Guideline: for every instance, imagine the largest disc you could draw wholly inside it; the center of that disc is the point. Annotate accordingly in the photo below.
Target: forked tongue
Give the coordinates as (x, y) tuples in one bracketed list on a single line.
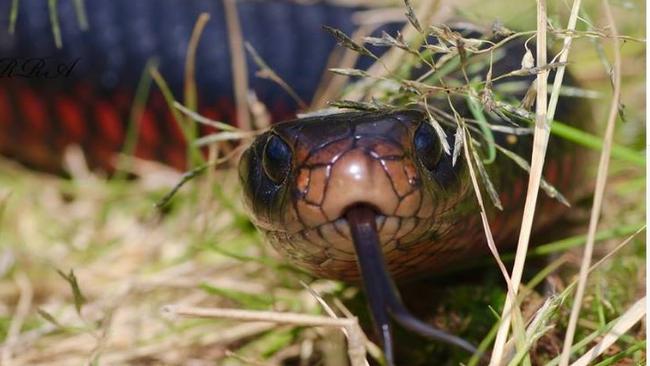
[(383, 298)]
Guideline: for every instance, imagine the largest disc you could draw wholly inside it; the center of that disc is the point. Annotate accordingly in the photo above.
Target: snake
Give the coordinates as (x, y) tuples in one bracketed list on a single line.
[(370, 197)]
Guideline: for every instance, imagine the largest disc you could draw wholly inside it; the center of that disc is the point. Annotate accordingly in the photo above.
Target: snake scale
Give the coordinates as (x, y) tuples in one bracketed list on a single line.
[(357, 196)]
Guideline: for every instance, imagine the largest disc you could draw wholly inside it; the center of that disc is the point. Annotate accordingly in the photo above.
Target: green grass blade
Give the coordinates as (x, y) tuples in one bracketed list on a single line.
[(137, 109), (13, 16), (54, 19), (594, 142)]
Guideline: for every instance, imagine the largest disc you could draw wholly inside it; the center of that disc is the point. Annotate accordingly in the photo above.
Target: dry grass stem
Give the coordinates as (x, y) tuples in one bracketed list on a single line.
[(332, 84), (189, 92), (632, 316), (564, 57), (540, 141), (355, 336), (238, 62), (266, 72), (616, 249), (486, 225), (601, 180), (394, 57), (18, 319), (207, 121)]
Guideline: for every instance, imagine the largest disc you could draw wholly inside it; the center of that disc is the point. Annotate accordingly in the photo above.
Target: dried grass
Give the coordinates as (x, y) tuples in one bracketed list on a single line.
[(601, 180)]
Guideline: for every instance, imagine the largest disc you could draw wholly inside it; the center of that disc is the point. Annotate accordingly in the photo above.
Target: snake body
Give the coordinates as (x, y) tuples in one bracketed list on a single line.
[(353, 196), (90, 106)]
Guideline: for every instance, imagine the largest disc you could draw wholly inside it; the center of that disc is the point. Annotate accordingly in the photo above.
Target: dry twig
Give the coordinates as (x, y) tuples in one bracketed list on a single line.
[(540, 141), (601, 180), (356, 338)]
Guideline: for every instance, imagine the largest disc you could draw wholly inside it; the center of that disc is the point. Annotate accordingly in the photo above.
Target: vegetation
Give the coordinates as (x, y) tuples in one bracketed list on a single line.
[(89, 266)]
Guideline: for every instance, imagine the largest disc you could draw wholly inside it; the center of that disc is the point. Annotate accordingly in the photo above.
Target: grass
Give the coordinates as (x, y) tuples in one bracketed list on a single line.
[(88, 265)]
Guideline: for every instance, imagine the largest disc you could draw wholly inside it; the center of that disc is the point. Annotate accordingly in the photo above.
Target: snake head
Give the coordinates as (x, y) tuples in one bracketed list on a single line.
[(301, 177)]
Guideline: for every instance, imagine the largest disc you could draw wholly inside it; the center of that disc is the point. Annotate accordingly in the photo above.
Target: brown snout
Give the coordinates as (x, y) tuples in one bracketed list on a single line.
[(378, 175)]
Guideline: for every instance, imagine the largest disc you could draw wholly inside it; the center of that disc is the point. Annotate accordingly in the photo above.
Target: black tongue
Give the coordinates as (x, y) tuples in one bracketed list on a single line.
[(376, 282), (383, 297)]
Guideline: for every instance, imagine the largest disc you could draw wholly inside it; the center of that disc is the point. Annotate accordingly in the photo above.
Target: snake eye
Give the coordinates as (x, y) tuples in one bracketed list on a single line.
[(277, 159), (427, 145)]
